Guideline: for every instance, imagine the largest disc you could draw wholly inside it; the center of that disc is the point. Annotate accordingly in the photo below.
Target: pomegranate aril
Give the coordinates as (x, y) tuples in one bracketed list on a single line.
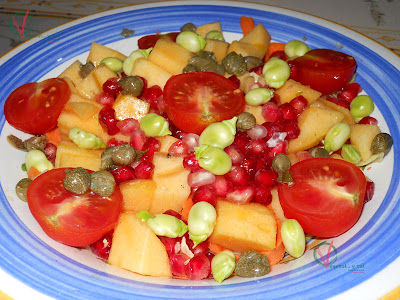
[(152, 95), (198, 268), (288, 111), (200, 249), (238, 176), (299, 104), (205, 193), (240, 195), (144, 170), (138, 138), (102, 247), (342, 102), (281, 148), (127, 126), (369, 192), (51, 150), (221, 185), (263, 194), (272, 128), (112, 86), (257, 70), (279, 54), (241, 140), (191, 139), (122, 174), (173, 213), (266, 177), (114, 142), (235, 154), (257, 132), (293, 69), (108, 120), (249, 163), (152, 144), (190, 163), (257, 147), (235, 80), (347, 95), (291, 128), (368, 120), (353, 86), (178, 267), (105, 99), (199, 178), (169, 244), (271, 112), (179, 148)]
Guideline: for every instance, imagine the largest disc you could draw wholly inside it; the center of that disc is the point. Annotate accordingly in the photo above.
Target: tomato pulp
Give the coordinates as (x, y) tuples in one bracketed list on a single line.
[(150, 40), (74, 220), (326, 197), (195, 100), (35, 107)]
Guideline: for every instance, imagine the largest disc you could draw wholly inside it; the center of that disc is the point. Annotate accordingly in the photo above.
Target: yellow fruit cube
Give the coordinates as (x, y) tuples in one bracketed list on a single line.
[(98, 52), (88, 87), (70, 156), (256, 111), (348, 117), (259, 37), (219, 48), (128, 106), (166, 141), (206, 28), (246, 49), (154, 74), (166, 164), (137, 194), (361, 137), (102, 73), (291, 89), (72, 72)]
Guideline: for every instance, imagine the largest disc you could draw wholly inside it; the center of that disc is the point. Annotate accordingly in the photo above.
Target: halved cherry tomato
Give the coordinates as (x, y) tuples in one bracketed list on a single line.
[(195, 100), (324, 70), (150, 40), (35, 107), (74, 220), (327, 195)]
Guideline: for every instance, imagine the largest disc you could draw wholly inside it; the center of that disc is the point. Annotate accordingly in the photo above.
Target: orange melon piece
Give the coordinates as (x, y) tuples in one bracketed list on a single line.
[(255, 110), (102, 73), (82, 107), (137, 194), (70, 156), (206, 28), (219, 48), (136, 248), (71, 84), (166, 141), (245, 49), (98, 52), (291, 89), (128, 106), (72, 72), (259, 37), (154, 74), (348, 117), (276, 205), (249, 226), (166, 164), (361, 137), (88, 87)]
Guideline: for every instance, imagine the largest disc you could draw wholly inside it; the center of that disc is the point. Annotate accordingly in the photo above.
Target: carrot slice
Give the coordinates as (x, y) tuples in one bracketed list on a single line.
[(186, 208), (273, 47), (32, 173), (247, 24), (53, 137)]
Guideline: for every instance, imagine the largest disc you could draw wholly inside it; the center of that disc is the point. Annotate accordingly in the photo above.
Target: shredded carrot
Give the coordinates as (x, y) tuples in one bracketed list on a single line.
[(186, 208), (32, 173), (247, 24), (273, 47), (53, 137)]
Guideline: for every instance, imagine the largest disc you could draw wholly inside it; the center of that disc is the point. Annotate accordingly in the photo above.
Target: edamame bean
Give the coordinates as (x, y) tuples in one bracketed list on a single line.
[(361, 106), (258, 96), (222, 265), (130, 60), (166, 225), (201, 221), (351, 154), (296, 48), (215, 35), (144, 215), (85, 140), (115, 64), (336, 137), (191, 41), (293, 238), (37, 158), (276, 71), (219, 134), (213, 159), (154, 125)]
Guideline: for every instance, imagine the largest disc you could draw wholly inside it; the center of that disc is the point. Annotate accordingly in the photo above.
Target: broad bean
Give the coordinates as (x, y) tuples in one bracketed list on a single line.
[(201, 221), (115, 64), (85, 140), (222, 265), (293, 238), (336, 137), (213, 159), (276, 71), (220, 134), (166, 225), (37, 158), (191, 41), (154, 125), (296, 48), (129, 61), (258, 96), (361, 106)]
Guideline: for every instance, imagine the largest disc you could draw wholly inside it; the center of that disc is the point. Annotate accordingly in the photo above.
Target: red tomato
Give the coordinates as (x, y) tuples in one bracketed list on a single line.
[(324, 70), (150, 40), (34, 107), (327, 196), (74, 220), (195, 100)]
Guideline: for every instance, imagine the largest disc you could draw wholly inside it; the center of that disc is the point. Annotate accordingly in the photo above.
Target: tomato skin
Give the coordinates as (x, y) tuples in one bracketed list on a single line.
[(195, 100), (81, 220), (313, 198), (150, 40), (324, 70), (35, 107)]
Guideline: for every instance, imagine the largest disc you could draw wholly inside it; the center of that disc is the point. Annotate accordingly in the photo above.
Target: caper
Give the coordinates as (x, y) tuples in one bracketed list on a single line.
[(234, 64), (382, 142), (102, 183), (203, 64), (252, 264), (123, 154), (86, 69), (207, 54), (188, 27), (16, 142), (252, 62), (190, 68), (107, 162), (35, 142), (318, 152), (245, 121), (77, 181), (281, 163), (285, 177), (131, 85), (22, 187)]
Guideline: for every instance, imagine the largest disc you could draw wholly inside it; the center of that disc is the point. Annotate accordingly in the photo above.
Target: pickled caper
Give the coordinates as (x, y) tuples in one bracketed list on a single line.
[(190, 68), (123, 154), (188, 27), (245, 121), (131, 85), (35, 142), (252, 264), (318, 152), (84, 70), (281, 163), (205, 64), (77, 181), (207, 54), (16, 142), (102, 183), (234, 63), (107, 162), (22, 187), (382, 143), (252, 62)]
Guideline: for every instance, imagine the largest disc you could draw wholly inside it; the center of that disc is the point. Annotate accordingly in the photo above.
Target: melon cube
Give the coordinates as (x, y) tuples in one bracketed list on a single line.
[(361, 137), (154, 74), (206, 28), (102, 73), (219, 48), (88, 87), (259, 37), (137, 194), (166, 142), (348, 117), (70, 156), (246, 49), (98, 52), (128, 106), (256, 111), (72, 72), (166, 164), (291, 89)]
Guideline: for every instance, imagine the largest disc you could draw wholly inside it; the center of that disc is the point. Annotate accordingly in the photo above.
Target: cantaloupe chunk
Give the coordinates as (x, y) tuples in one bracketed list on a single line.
[(88, 87), (98, 52), (276, 205), (291, 89), (166, 142), (137, 194), (249, 226), (154, 74), (128, 106), (136, 248), (245, 49), (219, 48), (314, 124), (102, 73), (70, 156), (71, 84), (206, 28), (348, 117), (166, 164), (256, 111), (259, 37), (72, 72), (170, 56), (361, 137), (82, 107)]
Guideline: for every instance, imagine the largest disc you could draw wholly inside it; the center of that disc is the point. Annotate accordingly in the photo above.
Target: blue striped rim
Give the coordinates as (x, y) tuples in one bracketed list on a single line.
[(57, 275)]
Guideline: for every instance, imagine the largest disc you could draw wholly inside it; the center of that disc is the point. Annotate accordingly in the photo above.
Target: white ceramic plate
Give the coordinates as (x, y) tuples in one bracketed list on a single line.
[(366, 256)]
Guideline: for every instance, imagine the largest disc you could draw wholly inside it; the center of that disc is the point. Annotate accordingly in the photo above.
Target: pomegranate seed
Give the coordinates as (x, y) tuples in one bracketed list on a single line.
[(291, 128), (169, 244), (235, 154), (272, 128), (353, 86), (112, 87), (105, 99), (368, 120), (138, 138), (279, 54), (242, 194), (176, 132), (122, 174), (144, 170), (114, 142), (347, 95), (257, 132), (235, 80), (299, 104), (288, 111), (271, 112), (257, 70), (241, 140), (198, 268), (221, 185), (191, 139), (206, 193), (200, 249), (51, 151), (263, 163), (263, 195), (249, 164), (369, 192), (199, 178), (293, 69), (173, 213), (179, 148), (108, 121), (281, 148), (237, 176), (152, 95), (177, 262), (257, 147), (152, 144), (342, 102), (160, 105), (266, 177), (190, 163), (144, 85), (127, 126), (102, 247)]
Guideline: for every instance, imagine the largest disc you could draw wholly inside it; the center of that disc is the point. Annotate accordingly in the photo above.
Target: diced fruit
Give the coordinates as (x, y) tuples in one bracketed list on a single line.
[(166, 165), (128, 106), (291, 89), (348, 118), (154, 74), (166, 142), (245, 49), (136, 248), (70, 156), (102, 73), (88, 87), (276, 205), (219, 48), (137, 194), (206, 28), (258, 37), (84, 110), (98, 52), (250, 226), (256, 111), (72, 72), (361, 136)]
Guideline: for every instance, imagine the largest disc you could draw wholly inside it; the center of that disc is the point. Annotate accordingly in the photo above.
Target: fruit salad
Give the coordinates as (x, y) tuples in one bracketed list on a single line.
[(198, 158)]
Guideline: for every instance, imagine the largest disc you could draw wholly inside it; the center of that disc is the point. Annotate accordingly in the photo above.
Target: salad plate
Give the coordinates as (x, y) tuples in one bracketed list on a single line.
[(361, 259)]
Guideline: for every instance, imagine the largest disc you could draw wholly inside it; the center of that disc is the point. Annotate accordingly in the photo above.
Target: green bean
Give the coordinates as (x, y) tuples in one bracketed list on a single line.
[(154, 125), (215, 35), (37, 158), (351, 154), (222, 265), (191, 41), (166, 225), (144, 215), (258, 96), (213, 159), (276, 71), (296, 48), (85, 140), (220, 134), (336, 137), (130, 60), (361, 106), (115, 64), (293, 238), (201, 221)]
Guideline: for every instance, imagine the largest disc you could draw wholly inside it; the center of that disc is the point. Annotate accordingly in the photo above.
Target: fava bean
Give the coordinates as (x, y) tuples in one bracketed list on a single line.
[(276, 71), (258, 96), (154, 125), (201, 221), (220, 134), (167, 225), (85, 140), (336, 137), (293, 238), (222, 265), (37, 158), (361, 106), (351, 154), (296, 48), (215, 35), (191, 41), (130, 60), (115, 64), (144, 215), (213, 159)]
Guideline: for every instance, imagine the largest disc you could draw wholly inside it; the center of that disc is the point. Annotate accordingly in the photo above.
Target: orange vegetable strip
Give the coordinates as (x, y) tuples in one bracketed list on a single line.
[(273, 47), (32, 173), (53, 137), (247, 24), (186, 208)]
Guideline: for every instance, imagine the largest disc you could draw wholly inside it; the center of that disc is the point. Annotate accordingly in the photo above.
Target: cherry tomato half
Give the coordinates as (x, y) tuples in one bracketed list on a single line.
[(35, 107), (327, 196), (74, 220), (195, 100), (150, 40), (324, 70)]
